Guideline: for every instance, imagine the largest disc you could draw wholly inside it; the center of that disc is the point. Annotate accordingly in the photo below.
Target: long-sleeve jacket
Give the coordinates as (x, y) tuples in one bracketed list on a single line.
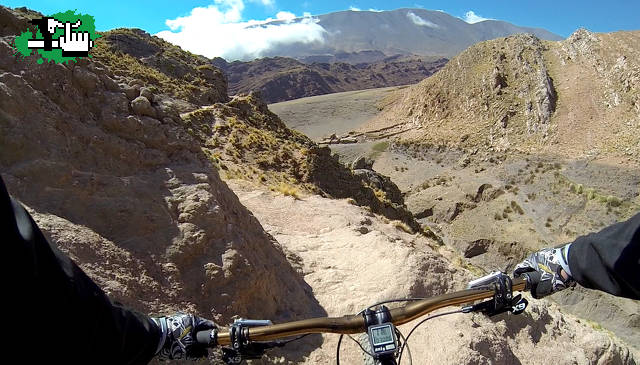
[(55, 310), (609, 260)]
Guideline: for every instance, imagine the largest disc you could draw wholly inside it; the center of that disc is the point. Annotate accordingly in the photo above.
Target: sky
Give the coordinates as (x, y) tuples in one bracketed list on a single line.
[(190, 23)]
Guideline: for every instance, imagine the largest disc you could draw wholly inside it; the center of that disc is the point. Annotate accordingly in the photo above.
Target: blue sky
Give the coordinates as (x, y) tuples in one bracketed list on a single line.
[(559, 16), (193, 24)]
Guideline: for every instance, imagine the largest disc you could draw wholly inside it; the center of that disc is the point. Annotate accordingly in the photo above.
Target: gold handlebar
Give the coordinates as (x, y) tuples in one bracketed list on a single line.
[(355, 323)]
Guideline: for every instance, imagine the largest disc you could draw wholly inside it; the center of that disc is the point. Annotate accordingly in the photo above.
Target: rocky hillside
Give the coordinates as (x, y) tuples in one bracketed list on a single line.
[(362, 36), (578, 97), (280, 79), (241, 137), (131, 196)]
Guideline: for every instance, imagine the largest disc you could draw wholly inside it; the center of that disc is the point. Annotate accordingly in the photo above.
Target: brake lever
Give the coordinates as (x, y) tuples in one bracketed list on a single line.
[(503, 299), (241, 346)]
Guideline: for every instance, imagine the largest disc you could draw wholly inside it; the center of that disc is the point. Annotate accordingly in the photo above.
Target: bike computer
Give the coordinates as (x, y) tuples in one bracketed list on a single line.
[(383, 339)]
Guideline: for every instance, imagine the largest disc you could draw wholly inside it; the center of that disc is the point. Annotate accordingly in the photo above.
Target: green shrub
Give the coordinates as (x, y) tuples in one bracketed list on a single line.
[(380, 147), (613, 201)]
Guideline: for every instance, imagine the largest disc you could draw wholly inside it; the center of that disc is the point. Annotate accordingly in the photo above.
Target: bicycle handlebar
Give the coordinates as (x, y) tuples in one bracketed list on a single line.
[(354, 323)]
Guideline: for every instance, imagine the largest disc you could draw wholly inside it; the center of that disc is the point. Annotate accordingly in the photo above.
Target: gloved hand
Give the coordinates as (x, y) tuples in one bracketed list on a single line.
[(179, 336), (543, 270)]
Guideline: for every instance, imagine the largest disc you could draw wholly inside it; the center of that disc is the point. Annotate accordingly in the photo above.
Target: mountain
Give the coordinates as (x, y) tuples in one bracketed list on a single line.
[(365, 35), (363, 50), (280, 78), (577, 97)]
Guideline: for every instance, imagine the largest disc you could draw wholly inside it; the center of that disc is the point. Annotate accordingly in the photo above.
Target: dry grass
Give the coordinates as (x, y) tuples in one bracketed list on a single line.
[(399, 225), (287, 190)]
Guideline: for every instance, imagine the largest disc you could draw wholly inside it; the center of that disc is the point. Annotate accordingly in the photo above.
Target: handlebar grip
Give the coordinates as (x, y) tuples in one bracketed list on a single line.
[(207, 338), (538, 288), (532, 277)]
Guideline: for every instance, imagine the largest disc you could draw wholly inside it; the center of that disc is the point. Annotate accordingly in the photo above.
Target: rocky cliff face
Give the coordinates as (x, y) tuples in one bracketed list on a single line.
[(134, 54), (280, 79), (133, 198)]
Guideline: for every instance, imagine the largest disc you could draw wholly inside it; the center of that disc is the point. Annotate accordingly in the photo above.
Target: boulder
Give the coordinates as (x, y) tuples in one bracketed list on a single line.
[(362, 162), (147, 92), (380, 182), (142, 106), (132, 92), (87, 81), (477, 247)]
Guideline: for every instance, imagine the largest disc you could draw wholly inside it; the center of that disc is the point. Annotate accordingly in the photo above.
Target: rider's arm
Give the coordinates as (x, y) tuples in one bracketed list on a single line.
[(609, 260), (58, 308)]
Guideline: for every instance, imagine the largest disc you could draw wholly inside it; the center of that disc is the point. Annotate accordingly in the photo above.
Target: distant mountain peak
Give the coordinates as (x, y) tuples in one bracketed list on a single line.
[(401, 31)]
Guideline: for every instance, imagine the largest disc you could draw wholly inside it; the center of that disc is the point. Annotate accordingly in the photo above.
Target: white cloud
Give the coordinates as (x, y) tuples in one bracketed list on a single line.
[(419, 21), (218, 30), (471, 17), (353, 8), (285, 15)]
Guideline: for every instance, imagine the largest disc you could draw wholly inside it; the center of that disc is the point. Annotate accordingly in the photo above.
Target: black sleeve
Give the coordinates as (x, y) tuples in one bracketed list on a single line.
[(56, 310), (609, 260)]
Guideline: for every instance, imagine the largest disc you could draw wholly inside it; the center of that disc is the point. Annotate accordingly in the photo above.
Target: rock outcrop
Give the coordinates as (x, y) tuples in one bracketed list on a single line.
[(136, 54)]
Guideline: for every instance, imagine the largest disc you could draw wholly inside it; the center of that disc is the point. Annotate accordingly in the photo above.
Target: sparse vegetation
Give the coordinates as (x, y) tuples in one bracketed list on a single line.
[(516, 207), (402, 226), (380, 147), (287, 190), (613, 201)]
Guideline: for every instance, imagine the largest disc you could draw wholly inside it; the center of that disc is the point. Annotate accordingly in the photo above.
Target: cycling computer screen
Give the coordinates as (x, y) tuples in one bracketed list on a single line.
[(383, 338)]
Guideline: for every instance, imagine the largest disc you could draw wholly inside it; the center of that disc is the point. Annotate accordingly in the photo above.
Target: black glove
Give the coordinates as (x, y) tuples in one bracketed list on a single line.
[(179, 336), (542, 271)]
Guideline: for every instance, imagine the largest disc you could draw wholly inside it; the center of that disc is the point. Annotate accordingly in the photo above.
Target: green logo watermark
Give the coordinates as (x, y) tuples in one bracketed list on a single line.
[(59, 38)]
